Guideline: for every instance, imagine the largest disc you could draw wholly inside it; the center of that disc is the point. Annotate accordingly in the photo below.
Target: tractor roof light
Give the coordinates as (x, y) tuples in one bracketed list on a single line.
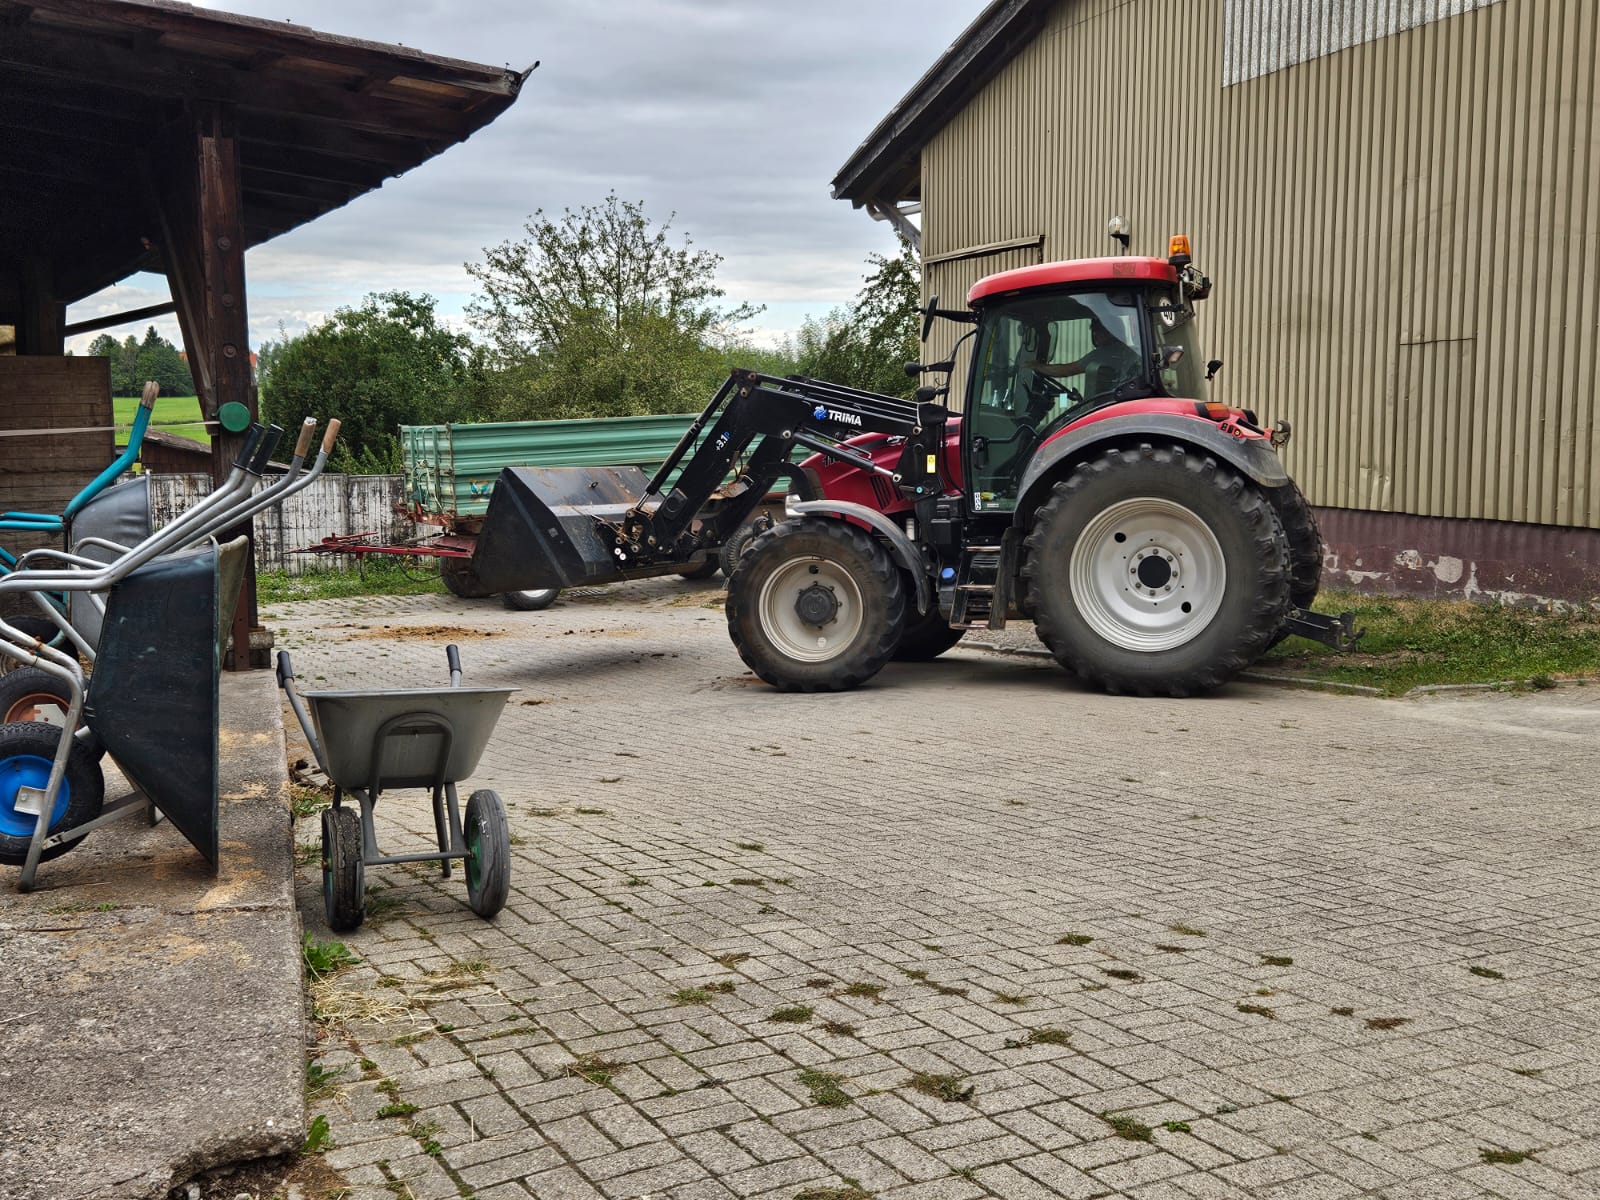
[(1178, 251)]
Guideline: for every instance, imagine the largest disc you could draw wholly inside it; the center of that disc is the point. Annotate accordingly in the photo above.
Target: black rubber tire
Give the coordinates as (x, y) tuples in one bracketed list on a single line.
[(1254, 553), (925, 637), (461, 580), (809, 546), (25, 690), (488, 837), (733, 549), (532, 600), (344, 882), (1305, 543), (704, 569), (27, 749)]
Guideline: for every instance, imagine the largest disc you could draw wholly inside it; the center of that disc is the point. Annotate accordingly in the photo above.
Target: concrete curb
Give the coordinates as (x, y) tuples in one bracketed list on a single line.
[(153, 1014)]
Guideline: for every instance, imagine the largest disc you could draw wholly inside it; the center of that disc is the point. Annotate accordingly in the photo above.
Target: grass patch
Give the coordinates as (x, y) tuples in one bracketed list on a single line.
[(731, 959), (1186, 930), (1486, 973), (595, 1068), (1074, 939), (1276, 960), (833, 1193), (1504, 1157), (1177, 1127), (380, 576), (1009, 997), (757, 846), (1040, 1037), (1385, 1023), (864, 991), (838, 1028), (691, 995), (1258, 1010), (177, 415), (951, 1089), (825, 1088), (1122, 973), (1344, 1010), (1411, 643), (399, 1108), (794, 1014), (1128, 1128)]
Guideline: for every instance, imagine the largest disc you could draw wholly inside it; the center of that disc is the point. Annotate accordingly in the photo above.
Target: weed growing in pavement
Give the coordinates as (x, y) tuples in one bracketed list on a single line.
[(317, 1137), (398, 1108), (455, 976), (1186, 930), (864, 991), (305, 801), (838, 1028), (544, 812), (1040, 1037), (427, 1135), (1486, 973), (691, 995), (1344, 1010), (731, 959), (382, 904), (756, 846), (945, 989), (1258, 1010), (1385, 1023), (1505, 1157), (589, 812), (1074, 939), (411, 1039), (794, 1014), (851, 1192), (1176, 1127), (1128, 1128), (1276, 960), (322, 959), (951, 1089), (595, 1068), (914, 973), (1173, 949), (824, 1087), (1010, 997), (721, 986), (1528, 1072), (321, 1082), (634, 881)]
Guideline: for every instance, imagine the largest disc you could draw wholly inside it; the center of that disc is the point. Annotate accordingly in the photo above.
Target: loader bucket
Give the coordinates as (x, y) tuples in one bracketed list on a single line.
[(152, 698), (539, 530)]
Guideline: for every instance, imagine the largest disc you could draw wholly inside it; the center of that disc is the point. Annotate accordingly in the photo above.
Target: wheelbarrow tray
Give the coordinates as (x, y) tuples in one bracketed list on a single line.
[(349, 725)]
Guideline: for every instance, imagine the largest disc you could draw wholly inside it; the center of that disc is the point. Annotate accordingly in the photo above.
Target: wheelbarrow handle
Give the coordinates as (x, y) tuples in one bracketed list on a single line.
[(329, 437), (308, 429), (252, 442), (285, 669), (453, 656), (263, 455)]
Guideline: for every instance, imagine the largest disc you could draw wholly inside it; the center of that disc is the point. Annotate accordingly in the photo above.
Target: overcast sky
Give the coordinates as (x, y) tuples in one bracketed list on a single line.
[(734, 115)]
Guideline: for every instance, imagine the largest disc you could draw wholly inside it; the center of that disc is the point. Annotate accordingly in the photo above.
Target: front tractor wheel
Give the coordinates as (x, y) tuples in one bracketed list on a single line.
[(815, 606), (1153, 570)]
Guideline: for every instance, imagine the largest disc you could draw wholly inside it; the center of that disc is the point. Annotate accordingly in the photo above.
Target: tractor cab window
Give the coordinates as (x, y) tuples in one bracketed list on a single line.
[(1180, 364), (1040, 362)]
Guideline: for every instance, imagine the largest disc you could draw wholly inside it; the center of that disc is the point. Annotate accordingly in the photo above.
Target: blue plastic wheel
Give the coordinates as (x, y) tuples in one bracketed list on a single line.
[(27, 749)]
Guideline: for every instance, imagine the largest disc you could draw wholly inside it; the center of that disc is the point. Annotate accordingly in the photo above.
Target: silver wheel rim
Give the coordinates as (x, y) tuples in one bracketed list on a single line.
[(1148, 575), (795, 637), (537, 595)]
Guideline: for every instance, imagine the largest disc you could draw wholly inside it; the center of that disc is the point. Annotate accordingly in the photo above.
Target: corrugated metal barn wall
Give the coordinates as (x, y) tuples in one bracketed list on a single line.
[(1399, 201)]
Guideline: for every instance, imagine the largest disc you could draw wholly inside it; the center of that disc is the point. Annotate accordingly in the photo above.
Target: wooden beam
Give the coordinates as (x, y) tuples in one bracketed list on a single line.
[(43, 316), (94, 325)]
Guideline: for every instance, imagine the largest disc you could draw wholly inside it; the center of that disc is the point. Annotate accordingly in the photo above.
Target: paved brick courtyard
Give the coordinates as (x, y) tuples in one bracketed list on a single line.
[(1032, 941)]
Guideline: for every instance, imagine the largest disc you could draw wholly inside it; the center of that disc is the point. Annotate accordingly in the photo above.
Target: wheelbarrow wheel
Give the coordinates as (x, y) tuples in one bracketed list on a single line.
[(29, 694), (26, 752), (488, 853), (343, 874)]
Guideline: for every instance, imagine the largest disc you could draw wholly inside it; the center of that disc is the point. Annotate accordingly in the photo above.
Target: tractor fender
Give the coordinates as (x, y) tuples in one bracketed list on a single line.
[(902, 547), (1254, 458)]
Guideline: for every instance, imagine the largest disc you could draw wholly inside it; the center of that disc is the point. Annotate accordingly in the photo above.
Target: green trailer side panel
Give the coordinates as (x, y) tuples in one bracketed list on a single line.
[(451, 469)]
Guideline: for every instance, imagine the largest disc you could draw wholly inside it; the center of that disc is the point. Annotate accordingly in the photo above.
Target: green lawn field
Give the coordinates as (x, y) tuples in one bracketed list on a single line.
[(179, 415)]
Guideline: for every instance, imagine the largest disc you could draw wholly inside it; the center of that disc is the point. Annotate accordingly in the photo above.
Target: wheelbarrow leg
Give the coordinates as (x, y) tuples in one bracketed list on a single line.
[(440, 829)]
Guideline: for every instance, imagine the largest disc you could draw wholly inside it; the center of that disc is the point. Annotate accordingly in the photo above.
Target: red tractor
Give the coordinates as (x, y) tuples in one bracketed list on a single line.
[(1154, 538)]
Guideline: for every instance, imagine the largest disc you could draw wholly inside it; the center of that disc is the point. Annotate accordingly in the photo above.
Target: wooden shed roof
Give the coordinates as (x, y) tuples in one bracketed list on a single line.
[(88, 89)]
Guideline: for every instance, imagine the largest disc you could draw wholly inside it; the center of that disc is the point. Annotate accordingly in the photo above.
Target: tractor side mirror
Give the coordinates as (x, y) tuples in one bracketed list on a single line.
[(927, 316), (927, 394), (913, 369), (1212, 368)]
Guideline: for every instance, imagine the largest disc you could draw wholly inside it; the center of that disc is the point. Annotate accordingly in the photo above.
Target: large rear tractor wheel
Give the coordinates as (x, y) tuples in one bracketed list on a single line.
[(926, 636), (27, 750), (1305, 543), (1154, 570), (816, 606)]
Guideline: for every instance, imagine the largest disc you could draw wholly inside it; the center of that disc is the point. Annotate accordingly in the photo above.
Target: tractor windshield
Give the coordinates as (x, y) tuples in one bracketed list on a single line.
[(1180, 365), (1042, 360)]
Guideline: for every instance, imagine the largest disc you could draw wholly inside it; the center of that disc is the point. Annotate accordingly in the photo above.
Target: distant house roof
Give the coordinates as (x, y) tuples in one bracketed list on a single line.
[(89, 88), (886, 168)]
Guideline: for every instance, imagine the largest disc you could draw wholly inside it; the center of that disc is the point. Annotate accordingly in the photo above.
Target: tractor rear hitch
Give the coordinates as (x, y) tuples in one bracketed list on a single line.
[(1338, 633)]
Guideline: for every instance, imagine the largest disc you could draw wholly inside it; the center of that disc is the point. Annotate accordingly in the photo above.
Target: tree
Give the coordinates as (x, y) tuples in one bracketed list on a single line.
[(598, 314), (868, 344), (134, 361), (384, 364)]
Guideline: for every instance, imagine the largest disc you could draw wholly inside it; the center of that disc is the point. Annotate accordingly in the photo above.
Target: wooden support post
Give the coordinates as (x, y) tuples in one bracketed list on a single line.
[(200, 200), (43, 320)]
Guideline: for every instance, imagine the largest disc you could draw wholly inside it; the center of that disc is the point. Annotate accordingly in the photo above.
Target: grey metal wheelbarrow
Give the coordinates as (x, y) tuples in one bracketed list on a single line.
[(407, 738)]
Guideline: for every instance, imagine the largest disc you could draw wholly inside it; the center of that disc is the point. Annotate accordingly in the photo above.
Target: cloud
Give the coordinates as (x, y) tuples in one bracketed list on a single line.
[(732, 116)]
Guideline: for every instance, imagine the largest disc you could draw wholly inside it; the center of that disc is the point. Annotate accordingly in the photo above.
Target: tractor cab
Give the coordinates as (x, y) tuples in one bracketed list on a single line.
[(1065, 343)]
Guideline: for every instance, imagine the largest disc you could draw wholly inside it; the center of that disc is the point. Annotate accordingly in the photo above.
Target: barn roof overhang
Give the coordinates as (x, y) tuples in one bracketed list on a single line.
[(91, 91), (885, 170)]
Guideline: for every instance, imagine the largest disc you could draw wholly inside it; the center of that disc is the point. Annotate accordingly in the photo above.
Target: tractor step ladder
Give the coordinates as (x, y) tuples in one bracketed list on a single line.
[(977, 589)]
